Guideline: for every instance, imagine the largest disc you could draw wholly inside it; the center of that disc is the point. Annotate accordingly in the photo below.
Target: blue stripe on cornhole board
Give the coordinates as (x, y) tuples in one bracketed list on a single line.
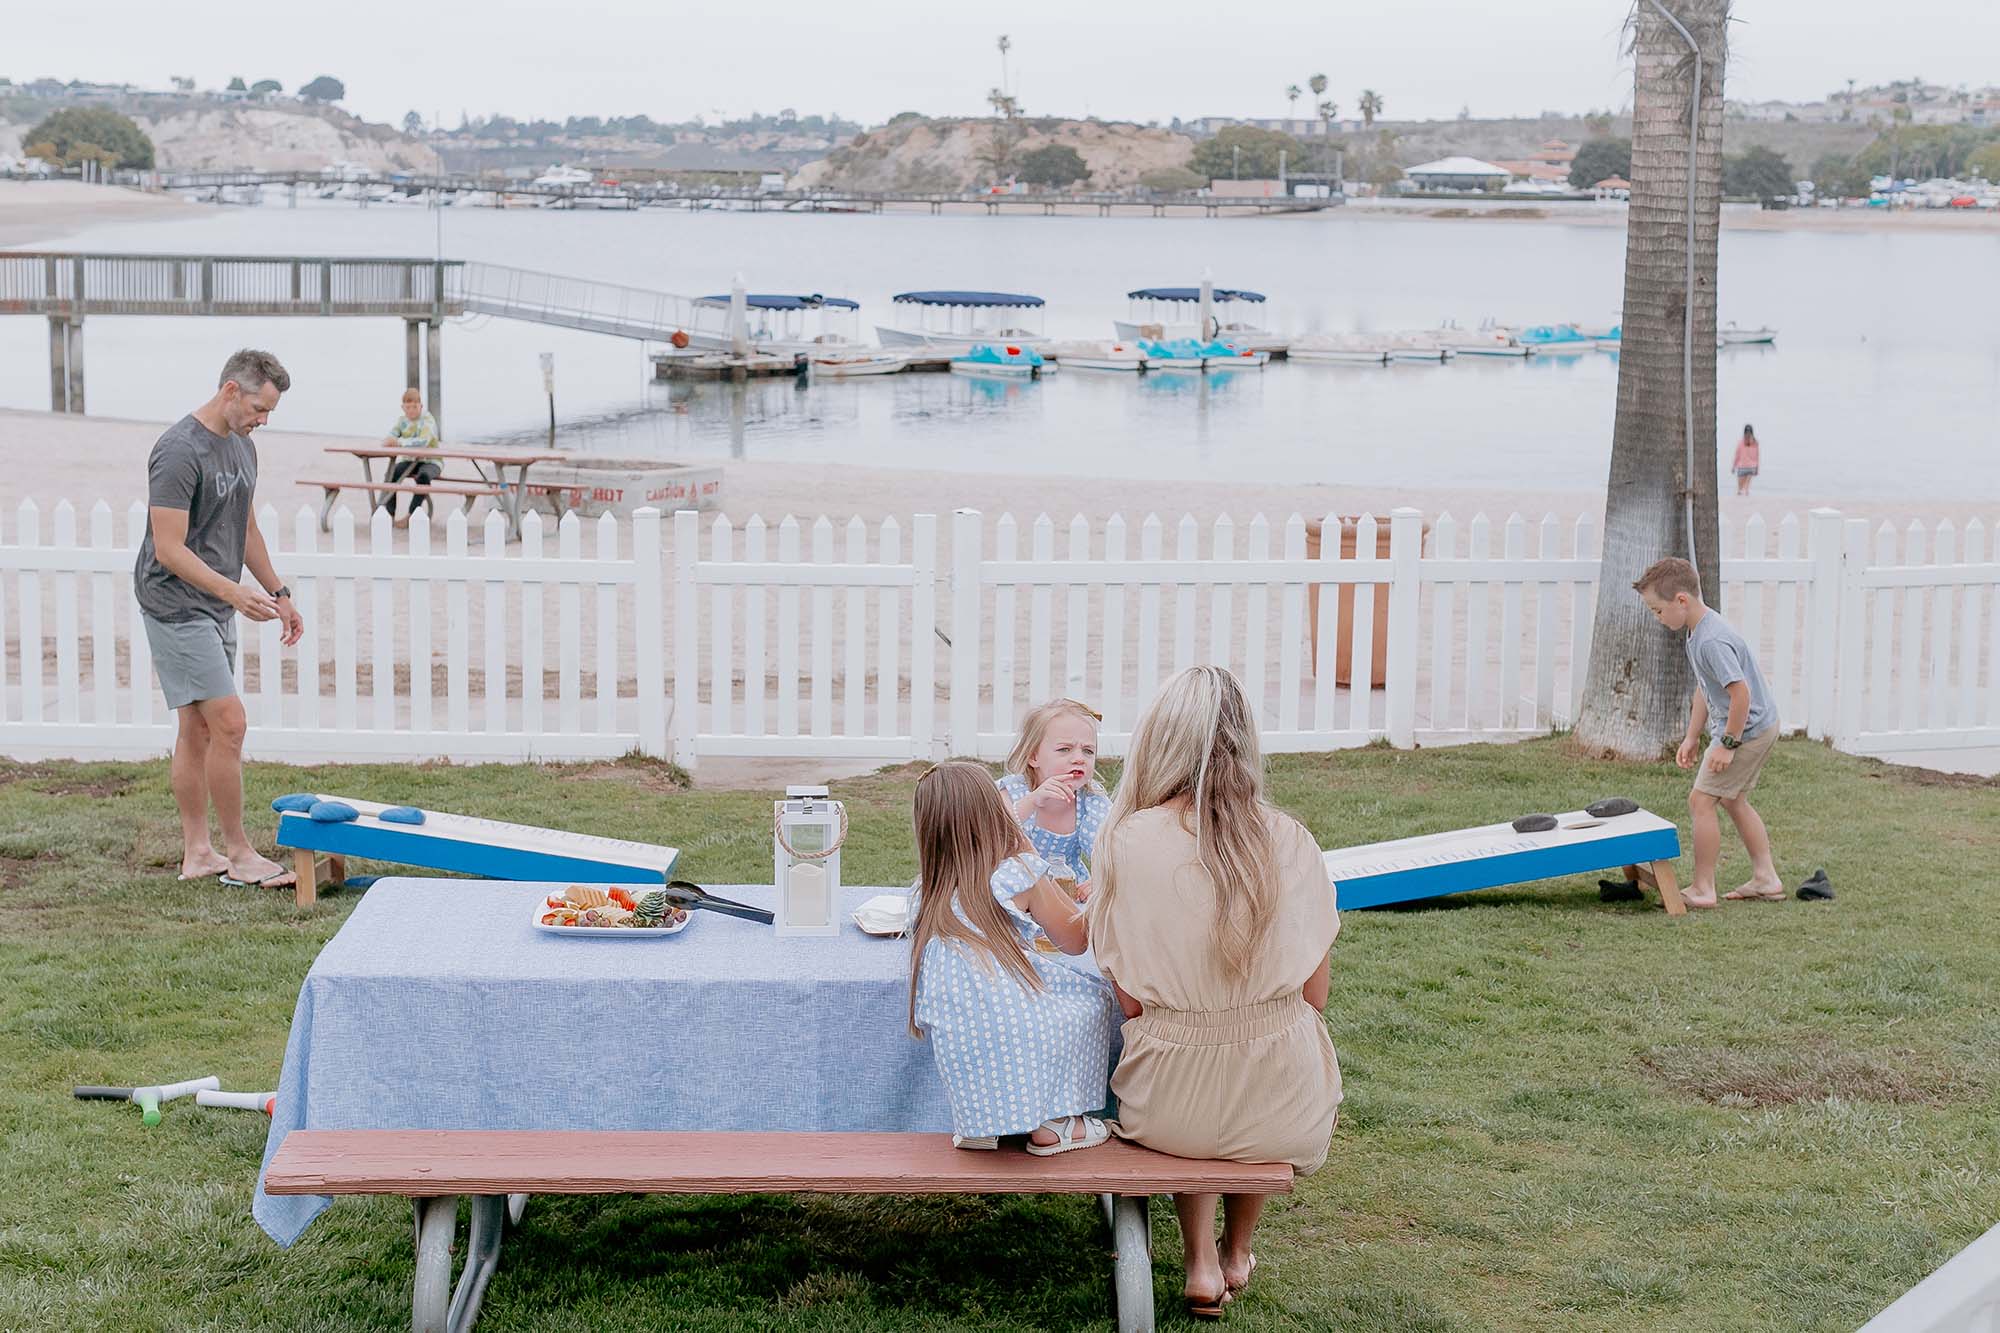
[(415, 848), (1490, 872)]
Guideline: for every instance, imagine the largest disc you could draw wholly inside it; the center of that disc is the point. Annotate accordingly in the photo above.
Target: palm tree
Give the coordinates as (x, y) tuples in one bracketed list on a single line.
[(1318, 85), (1639, 685), (1291, 99), (1371, 107)]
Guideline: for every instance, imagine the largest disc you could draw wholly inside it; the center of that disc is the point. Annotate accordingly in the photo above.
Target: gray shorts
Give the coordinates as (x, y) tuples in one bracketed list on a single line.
[(195, 659)]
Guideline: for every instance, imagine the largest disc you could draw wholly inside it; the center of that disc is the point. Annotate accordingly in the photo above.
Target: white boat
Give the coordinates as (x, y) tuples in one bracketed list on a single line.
[(857, 361), (1163, 314), (1488, 339), (952, 323), (1421, 345), (1729, 335), (563, 177), (590, 486), (1349, 348), (1096, 355), (1008, 361)]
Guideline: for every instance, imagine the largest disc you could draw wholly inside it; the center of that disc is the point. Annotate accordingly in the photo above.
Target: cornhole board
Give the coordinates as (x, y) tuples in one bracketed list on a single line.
[(1641, 843), (466, 844)]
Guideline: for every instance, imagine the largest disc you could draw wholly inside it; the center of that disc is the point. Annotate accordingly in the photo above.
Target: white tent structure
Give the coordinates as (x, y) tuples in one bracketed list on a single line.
[(1457, 173)]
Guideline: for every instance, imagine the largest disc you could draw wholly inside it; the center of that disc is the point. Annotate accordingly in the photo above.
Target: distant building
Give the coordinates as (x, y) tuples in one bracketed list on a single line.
[(1299, 127), (1612, 187), (1457, 173)]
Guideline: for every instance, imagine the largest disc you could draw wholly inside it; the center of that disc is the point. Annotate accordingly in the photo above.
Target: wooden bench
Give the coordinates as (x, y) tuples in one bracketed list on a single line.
[(500, 1168), (467, 490)]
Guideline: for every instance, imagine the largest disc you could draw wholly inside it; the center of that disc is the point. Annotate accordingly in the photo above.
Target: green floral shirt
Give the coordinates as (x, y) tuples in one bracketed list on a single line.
[(419, 434)]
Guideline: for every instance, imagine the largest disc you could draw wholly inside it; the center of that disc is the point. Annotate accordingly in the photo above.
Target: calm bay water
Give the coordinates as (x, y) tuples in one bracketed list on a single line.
[(1885, 380)]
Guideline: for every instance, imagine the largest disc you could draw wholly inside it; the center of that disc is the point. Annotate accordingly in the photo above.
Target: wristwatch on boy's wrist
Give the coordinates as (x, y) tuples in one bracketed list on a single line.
[(281, 591), (1730, 742)]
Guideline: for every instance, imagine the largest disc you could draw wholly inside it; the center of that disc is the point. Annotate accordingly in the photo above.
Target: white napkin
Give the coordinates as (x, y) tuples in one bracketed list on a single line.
[(884, 914)]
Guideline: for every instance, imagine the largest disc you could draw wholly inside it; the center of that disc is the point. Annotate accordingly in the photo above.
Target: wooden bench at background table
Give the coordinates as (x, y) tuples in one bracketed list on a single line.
[(433, 1167), (468, 490)]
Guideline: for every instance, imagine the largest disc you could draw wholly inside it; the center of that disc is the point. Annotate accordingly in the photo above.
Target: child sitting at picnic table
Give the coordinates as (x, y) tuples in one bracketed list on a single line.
[(1051, 782), (1022, 1041), (415, 429)]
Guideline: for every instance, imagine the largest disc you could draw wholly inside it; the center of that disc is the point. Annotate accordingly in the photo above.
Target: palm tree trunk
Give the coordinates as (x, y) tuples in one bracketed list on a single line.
[(1637, 693)]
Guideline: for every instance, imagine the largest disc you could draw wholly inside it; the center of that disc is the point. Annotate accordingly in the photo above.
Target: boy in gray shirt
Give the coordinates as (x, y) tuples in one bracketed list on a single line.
[(1732, 702), (201, 533)]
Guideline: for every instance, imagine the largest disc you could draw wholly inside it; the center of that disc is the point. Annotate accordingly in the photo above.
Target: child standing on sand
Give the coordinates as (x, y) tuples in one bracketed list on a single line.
[(1733, 704), (1051, 783)]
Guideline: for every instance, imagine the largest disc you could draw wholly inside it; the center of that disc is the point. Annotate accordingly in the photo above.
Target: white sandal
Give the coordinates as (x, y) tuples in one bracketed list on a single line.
[(1094, 1133)]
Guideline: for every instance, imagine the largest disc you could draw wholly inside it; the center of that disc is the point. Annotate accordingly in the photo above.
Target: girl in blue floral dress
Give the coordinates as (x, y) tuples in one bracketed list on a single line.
[(1051, 782), (1022, 1041)]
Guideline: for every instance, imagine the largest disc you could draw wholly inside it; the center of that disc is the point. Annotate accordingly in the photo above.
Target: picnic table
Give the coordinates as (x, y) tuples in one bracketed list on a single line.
[(439, 1006), (490, 466)]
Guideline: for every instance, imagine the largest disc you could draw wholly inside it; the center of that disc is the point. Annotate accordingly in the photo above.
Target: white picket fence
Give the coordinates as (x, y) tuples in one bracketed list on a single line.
[(862, 643)]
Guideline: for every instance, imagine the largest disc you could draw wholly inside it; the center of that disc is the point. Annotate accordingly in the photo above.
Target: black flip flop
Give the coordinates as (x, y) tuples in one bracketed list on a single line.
[(1817, 889)]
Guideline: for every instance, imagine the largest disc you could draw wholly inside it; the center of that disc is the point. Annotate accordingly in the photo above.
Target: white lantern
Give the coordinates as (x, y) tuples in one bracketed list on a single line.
[(805, 861)]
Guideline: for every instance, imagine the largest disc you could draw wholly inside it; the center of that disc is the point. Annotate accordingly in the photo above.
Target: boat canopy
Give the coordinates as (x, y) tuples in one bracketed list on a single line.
[(982, 299), (770, 301), (1192, 294)]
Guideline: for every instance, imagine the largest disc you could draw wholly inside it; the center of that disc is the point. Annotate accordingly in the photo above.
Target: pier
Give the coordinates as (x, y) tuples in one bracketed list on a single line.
[(66, 287), (669, 194)]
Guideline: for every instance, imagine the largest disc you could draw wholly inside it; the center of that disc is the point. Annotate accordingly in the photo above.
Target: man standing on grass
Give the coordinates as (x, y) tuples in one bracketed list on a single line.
[(201, 481)]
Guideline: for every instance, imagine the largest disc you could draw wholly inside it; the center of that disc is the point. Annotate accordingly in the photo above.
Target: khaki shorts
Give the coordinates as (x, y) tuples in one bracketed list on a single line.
[(1741, 775)]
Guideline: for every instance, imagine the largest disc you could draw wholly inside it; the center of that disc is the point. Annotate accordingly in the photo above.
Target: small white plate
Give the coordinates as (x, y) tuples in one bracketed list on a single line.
[(882, 902), (603, 932)]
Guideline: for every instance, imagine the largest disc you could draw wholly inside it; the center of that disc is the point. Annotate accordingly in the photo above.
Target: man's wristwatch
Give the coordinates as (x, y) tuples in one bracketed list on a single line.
[(282, 591), (1730, 742)]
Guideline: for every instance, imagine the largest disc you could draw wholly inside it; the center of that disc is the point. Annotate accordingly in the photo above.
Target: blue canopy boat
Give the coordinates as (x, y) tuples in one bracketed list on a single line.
[(954, 322)]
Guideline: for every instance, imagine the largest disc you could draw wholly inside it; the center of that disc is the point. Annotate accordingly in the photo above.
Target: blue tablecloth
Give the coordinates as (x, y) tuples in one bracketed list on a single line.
[(439, 1006)]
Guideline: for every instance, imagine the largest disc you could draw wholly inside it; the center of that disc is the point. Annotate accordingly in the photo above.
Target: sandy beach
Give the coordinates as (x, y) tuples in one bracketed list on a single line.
[(43, 212)]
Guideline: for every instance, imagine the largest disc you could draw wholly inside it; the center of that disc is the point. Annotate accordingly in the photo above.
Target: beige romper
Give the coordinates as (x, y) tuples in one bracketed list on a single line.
[(1236, 1070)]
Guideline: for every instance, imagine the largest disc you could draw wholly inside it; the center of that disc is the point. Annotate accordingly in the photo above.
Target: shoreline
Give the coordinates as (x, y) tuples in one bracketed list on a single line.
[(46, 212), (88, 458)]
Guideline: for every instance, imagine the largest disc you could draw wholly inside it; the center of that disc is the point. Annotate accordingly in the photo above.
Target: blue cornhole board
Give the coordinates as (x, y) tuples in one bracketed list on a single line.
[(1493, 855), (487, 847)]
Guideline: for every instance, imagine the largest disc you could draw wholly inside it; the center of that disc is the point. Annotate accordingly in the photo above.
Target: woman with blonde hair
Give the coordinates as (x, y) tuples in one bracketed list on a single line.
[(1022, 1041), (1213, 918)]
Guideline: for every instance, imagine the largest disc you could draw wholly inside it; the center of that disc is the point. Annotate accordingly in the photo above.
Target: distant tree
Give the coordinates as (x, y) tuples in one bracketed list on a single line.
[(1054, 164), (236, 85), (997, 156), (1757, 173), (1173, 180), (1599, 158), (1598, 125), (182, 83), (91, 134), (413, 123), (902, 116), (1836, 176), (1292, 92), (267, 87), (1244, 150), (1318, 85), (1370, 106), (1004, 104), (325, 88), (1986, 162)]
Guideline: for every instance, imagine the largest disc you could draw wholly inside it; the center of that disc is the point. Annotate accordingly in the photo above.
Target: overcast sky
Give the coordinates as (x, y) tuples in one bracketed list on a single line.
[(868, 60)]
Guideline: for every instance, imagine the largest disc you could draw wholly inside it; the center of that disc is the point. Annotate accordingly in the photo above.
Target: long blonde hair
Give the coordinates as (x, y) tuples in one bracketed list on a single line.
[(1035, 727), (1198, 739), (964, 831)]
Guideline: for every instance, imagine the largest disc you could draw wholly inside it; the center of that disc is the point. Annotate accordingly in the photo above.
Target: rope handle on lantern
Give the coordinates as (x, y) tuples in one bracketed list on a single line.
[(778, 828)]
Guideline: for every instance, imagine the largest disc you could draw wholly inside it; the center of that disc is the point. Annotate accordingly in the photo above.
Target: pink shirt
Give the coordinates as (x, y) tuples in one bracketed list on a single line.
[(1746, 453)]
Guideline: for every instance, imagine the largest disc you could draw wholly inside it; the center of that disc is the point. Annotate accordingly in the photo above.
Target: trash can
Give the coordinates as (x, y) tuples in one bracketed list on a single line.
[(1343, 661)]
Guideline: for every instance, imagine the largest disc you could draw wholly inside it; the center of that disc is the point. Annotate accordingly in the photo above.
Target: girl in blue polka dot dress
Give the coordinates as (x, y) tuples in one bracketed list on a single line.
[(1051, 782), (1022, 1040)]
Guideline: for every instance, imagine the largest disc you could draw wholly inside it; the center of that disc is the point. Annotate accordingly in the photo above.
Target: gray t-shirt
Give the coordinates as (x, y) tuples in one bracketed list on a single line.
[(213, 477), (1721, 657)]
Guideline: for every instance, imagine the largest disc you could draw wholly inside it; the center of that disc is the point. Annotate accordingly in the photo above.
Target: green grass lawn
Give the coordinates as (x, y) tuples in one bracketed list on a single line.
[(1560, 1114)]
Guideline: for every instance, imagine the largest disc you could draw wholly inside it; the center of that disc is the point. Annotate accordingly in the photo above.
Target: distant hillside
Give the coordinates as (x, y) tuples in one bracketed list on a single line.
[(196, 134), (918, 153)]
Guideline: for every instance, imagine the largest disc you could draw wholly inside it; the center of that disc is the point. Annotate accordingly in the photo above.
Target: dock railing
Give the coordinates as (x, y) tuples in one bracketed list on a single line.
[(71, 286)]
